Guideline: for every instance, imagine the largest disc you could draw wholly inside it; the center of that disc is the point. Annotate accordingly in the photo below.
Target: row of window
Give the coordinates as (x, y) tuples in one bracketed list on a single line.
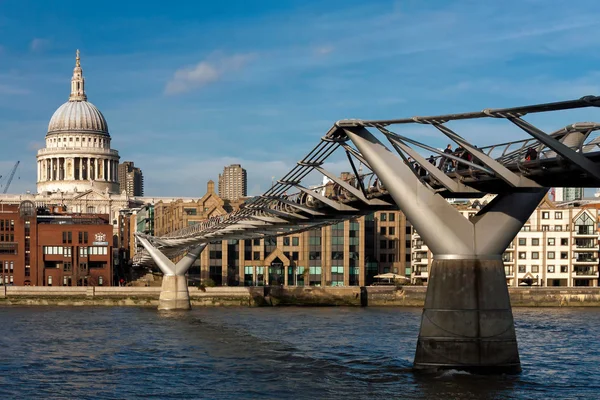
[(551, 255), (536, 269), (67, 281), (7, 225), (83, 251), (8, 266), (387, 217), (557, 215), (387, 230), (7, 237), (550, 241), (387, 244)]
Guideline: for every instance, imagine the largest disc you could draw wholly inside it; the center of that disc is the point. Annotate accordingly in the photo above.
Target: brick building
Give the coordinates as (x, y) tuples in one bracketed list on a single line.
[(45, 246)]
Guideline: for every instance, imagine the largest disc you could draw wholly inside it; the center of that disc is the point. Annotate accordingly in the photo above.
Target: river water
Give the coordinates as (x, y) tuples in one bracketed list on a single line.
[(275, 353)]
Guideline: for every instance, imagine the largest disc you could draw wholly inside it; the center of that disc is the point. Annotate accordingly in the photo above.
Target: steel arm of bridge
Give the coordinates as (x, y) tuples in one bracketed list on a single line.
[(500, 170), (443, 228), (576, 158), (434, 171), (167, 266), (351, 189)]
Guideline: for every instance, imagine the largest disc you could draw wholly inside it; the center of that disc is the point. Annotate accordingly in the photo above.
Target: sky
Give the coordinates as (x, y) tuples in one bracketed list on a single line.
[(189, 87)]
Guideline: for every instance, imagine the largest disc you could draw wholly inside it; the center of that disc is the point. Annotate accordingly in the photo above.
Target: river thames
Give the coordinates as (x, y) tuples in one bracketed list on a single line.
[(275, 353)]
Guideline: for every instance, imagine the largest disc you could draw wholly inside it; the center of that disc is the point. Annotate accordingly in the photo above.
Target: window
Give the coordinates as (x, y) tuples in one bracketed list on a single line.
[(545, 214), (522, 255), (382, 230), (564, 268), (100, 281), (551, 242), (392, 217), (382, 244), (535, 255), (545, 228), (522, 242), (392, 230), (295, 241), (535, 269), (522, 269), (391, 244), (535, 242), (564, 255), (383, 217), (256, 255), (558, 215), (50, 281), (551, 255), (256, 242), (564, 242), (551, 269), (383, 258), (391, 258), (286, 241)]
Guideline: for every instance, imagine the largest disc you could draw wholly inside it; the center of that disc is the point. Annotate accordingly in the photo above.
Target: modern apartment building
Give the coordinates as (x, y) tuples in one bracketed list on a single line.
[(131, 179), (567, 194), (233, 183), (557, 246)]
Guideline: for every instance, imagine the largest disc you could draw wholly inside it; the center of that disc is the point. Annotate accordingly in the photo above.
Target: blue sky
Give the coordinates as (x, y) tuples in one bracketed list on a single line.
[(188, 87)]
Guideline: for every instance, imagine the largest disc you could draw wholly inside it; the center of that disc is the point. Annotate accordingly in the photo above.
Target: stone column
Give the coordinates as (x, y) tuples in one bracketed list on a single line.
[(87, 175)]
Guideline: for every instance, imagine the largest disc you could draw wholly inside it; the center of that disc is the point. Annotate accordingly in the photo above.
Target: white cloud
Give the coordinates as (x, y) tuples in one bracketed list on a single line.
[(324, 50), (205, 72), (7, 89), (39, 44)]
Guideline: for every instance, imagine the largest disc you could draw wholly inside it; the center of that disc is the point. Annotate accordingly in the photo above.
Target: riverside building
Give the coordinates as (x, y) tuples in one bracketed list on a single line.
[(349, 253), (41, 246), (557, 246)]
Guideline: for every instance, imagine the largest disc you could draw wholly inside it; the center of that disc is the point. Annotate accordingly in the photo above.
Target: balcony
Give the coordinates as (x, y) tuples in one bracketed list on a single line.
[(509, 271), (585, 230), (585, 260), (418, 260), (587, 272), (585, 244)]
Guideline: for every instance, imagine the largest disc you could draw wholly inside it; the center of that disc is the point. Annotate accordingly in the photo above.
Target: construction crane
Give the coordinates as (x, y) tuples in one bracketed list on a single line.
[(10, 178)]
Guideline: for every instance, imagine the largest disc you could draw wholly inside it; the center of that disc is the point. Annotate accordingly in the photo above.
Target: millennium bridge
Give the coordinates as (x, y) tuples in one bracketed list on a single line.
[(467, 320)]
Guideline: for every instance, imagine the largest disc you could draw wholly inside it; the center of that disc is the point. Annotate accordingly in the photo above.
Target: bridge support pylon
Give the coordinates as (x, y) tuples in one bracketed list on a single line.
[(467, 321), (174, 294)]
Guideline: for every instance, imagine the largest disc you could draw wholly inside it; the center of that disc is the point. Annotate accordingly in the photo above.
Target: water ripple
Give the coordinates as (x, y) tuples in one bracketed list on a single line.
[(274, 353)]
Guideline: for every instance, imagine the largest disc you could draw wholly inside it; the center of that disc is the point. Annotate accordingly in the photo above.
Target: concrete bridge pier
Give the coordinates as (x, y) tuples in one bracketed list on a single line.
[(174, 294), (467, 321)]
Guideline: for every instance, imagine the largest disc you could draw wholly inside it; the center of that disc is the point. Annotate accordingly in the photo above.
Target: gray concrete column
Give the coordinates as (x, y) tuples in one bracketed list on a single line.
[(467, 321), (87, 175)]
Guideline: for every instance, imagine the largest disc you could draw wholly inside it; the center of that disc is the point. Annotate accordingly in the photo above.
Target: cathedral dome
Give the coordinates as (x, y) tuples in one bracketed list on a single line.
[(78, 116)]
